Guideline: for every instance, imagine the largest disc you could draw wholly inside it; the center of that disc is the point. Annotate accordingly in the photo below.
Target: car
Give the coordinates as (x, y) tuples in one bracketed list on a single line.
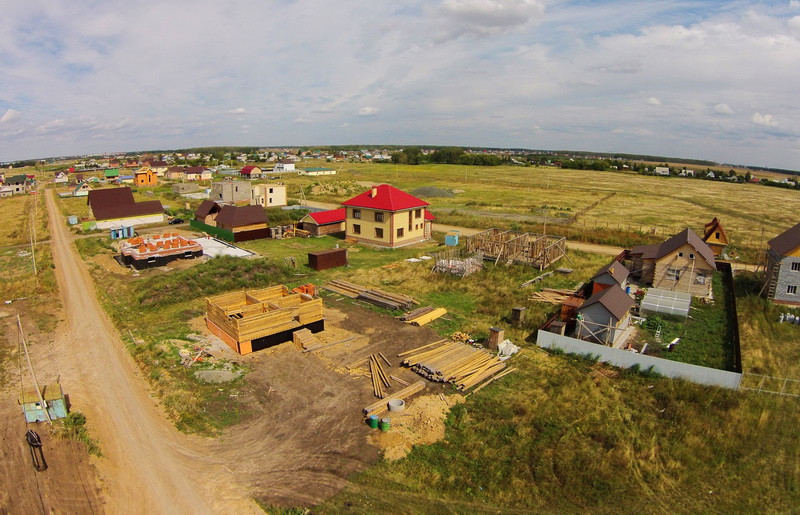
[(176, 221)]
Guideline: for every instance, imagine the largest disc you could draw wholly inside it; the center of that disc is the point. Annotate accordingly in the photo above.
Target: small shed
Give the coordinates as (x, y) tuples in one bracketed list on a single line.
[(605, 316), (325, 259), (325, 222), (122, 232), (54, 400), (451, 238)]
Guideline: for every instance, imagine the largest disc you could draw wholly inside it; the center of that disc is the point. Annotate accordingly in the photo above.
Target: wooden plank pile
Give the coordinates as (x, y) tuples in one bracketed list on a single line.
[(305, 339), (378, 375), (462, 365), (379, 407), (374, 296), (552, 296), (422, 316)]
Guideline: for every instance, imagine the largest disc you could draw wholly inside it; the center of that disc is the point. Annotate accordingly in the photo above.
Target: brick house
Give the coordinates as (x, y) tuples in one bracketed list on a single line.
[(386, 216), (783, 267)]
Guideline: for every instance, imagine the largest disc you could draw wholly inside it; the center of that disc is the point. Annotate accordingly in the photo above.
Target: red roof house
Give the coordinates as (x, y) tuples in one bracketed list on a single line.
[(325, 222), (387, 217)]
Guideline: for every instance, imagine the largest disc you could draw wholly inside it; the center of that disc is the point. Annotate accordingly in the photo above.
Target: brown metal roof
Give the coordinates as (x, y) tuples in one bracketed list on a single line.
[(107, 204), (614, 299), (786, 241), (646, 251), (687, 236), (206, 208), (237, 216), (616, 270), (712, 227)]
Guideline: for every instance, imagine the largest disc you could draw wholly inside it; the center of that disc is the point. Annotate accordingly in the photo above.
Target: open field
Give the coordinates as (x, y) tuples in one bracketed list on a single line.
[(15, 219), (603, 207)]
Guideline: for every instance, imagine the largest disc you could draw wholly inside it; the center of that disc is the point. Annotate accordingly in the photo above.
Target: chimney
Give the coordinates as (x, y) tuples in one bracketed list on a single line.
[(374, 192)]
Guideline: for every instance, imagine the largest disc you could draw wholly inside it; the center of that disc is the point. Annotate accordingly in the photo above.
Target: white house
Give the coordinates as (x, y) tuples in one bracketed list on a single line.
[(661, 170), (284, 165)]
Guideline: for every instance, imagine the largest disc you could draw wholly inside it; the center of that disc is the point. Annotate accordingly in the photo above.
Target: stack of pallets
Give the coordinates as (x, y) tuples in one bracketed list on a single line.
[(374, 296), (462, 365)]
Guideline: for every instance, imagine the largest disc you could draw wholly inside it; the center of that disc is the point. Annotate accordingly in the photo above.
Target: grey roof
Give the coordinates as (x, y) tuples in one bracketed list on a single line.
[(616, 270), (786, 241), (614, 299)]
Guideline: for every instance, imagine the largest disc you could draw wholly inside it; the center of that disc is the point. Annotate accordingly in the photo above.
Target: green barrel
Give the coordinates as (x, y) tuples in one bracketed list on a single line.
[(373, 421), (384, 425)]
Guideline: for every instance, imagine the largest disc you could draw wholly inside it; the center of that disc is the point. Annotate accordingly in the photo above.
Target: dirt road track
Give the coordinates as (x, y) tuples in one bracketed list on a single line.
[(148, 466)]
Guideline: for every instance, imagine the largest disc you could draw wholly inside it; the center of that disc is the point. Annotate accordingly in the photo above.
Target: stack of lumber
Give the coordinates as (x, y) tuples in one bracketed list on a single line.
[(422, 316), (374, 296), (552, 296), (382, 405), (305, 339), (378, 375), (462, 365)]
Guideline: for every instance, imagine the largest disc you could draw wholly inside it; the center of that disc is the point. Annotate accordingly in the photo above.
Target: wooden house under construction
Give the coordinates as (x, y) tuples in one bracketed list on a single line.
[(510, 247), (256, 319)]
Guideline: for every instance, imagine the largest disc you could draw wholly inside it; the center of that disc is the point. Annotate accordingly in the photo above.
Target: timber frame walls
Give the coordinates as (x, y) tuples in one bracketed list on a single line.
[(509, 247), (256, 319)]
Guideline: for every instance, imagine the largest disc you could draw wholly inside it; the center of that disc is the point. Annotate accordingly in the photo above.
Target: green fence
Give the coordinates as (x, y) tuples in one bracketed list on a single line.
[(214, 231)]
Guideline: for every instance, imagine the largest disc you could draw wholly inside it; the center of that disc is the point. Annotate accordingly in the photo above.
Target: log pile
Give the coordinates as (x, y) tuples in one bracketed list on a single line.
[(374, 296), (462, 365), (422, 316)]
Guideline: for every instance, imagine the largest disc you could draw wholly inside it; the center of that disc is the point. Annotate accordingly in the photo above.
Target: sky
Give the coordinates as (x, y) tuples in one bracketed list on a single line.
[(704, 79)]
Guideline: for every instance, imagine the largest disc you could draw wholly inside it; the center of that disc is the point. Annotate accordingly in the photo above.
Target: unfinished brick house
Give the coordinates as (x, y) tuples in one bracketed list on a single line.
[(783, 267)]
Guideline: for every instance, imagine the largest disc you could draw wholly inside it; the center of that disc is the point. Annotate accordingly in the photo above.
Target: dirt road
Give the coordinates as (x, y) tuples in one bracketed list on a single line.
[(147, 466)]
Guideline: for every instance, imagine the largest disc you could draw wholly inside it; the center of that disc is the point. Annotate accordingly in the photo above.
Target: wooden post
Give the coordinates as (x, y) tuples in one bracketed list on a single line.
[(30, 368)]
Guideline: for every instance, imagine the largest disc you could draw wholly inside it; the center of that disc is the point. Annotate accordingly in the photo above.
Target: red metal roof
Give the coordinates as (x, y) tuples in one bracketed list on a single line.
[(429, 216), (387, 198), (329, 217), (247, 170)]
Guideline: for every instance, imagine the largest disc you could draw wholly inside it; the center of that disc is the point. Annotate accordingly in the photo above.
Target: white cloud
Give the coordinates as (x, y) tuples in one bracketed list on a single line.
[(723, 108), (9, 115), (485, 17), (653, 101), (794, 4), (368, 111), (238, 110), (767, 120)]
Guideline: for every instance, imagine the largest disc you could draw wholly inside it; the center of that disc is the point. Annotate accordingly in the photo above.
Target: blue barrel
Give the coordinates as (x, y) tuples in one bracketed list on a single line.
[(628, 290)]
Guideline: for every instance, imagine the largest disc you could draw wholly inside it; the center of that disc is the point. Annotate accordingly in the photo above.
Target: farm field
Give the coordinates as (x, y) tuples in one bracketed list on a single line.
[(603, 207)]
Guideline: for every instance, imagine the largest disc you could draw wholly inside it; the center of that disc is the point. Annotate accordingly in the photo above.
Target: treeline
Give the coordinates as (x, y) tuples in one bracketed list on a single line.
[(446, 155)]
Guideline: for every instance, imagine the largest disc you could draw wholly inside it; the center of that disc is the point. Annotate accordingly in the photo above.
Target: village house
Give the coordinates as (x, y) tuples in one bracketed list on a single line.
[(783, 267), (386, 216), (82, 189), (715, 237), (111, 174), (682, 263), (284, 165), (113, 207), (605, 316), (61, 178), (188, 173), (145, 177), (317, 171), (251, 172), (245, 222), (159, 167), (231, 192), (661, 170), (268, 195), (17, 184), (325, 222), (207, 212)]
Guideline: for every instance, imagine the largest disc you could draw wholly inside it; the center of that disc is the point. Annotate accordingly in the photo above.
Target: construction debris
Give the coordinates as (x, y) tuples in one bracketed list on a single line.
[(374, 296), (462, 365), (552, 296), (459, 336), (536, 279), (383, 405), (422, 316), (457, 262)]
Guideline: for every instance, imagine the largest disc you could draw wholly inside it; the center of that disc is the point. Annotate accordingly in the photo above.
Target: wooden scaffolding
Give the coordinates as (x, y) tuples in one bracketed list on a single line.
[(241, 317), (510, 247)]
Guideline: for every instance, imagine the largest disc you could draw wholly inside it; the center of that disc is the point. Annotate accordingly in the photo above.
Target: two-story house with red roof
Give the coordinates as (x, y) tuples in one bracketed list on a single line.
[(387, 217)]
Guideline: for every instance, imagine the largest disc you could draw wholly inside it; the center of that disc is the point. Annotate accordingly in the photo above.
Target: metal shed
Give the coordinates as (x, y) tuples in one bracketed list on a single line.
[(54, 400), (666, 302)]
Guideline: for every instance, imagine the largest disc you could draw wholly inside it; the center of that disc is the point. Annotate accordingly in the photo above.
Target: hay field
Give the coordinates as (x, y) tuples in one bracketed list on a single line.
[(625, 202), (15, 216)]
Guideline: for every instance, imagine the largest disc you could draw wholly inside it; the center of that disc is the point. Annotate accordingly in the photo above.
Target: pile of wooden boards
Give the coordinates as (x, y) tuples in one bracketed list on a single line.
[(552, 296), (378, 375), (379, 407), (374, 296), (305, 339), (422, 316), (462, 365)]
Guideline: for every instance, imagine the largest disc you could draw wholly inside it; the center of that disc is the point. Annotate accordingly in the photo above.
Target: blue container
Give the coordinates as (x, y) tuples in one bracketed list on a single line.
[(72, 220), (451, 238), (628, 290)]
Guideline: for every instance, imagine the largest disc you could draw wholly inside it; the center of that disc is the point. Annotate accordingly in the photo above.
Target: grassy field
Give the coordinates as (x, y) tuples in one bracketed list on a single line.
[(603, 207), (40, 291), (564, 434), (15, 219)]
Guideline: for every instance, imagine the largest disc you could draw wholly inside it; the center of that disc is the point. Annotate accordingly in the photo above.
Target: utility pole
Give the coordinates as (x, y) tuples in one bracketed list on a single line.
[(30, 368), (33, 237)]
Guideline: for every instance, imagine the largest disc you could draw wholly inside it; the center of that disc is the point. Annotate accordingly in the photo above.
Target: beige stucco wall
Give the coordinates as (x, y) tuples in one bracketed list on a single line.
[(390, 225)]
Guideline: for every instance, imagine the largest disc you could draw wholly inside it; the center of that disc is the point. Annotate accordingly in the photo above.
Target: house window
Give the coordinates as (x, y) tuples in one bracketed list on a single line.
[(796, 266), (379, 232), (356, 229), (691, 256), (680, 254), (357, 214), (716, 235), (270, 190), (700, 278), (673, 274), (399, 232), (418, 213), (791, 289), (379, 217)]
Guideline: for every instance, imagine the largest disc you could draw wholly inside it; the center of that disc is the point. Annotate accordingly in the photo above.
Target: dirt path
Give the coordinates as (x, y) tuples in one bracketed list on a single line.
[(147, 465)]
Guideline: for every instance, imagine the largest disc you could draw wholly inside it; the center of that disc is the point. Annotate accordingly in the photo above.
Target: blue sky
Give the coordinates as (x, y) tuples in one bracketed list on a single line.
[(711, 80)]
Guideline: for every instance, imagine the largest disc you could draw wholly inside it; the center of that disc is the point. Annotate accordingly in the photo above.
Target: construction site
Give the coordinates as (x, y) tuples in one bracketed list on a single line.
[(512, 247)]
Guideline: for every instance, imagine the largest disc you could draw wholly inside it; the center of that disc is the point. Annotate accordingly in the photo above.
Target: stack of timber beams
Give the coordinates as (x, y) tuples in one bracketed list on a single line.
[(422, 316), (382, 405), (462, 365), (374, 296), (247, 315)]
